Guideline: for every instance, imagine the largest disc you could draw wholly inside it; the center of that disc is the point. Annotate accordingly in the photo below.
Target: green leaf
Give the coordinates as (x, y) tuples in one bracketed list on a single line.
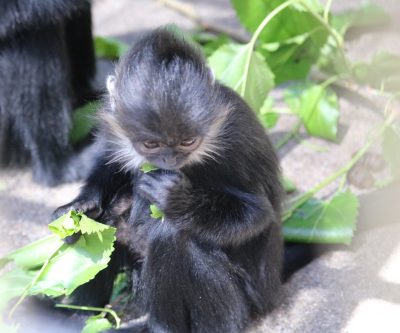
[(267, 116), (317, 107), (316, 221), (65, 267), (148, 167), (89, 226), (120, 284), (155, 212), (292, 40), (383, 72), (95, 324), (82, 121), (12, 285), (367, 16), (66, 225), (210, 42), (292, 59), (320, 112), (391, 149), (33, 255), (109, 48), (288, 185), (76, 264), (331, 59), (229, 64)]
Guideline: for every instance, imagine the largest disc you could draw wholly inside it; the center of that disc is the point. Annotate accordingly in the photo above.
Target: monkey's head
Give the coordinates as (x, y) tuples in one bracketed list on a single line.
[(166, 108)]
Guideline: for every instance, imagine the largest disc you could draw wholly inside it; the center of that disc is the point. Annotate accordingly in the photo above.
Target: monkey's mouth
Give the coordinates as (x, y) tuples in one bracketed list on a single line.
[(170, 166)]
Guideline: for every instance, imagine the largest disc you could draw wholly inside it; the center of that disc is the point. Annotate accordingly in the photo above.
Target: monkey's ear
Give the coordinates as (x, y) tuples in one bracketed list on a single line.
[(212, 75), (111, 90)]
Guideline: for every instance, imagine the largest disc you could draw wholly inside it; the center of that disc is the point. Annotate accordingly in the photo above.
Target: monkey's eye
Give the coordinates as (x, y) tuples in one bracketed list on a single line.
[(188, 142), (151, 144)]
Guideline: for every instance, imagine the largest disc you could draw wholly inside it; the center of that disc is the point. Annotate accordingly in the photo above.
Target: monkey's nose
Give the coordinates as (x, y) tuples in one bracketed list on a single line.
[(170, 160)]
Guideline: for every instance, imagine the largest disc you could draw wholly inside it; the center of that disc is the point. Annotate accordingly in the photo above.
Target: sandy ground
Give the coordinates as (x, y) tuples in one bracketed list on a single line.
[(351, 290)]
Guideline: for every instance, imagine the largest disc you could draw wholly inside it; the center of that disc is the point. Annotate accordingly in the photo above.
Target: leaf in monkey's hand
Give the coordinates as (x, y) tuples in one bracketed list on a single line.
[(156, 213), (318, 221), (148, 167), (66, 225)]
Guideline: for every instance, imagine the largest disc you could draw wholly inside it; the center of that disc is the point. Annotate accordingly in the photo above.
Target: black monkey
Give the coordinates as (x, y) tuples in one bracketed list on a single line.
[(46, 65), (213, 264)]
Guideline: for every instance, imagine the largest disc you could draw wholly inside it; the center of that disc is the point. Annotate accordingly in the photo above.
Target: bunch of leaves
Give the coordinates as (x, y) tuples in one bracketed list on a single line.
[(289, 39), (54, 268)]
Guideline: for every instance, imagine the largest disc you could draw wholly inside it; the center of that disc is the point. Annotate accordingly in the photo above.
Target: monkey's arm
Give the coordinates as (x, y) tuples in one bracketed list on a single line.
[(20, 15), (224, 216), (100, 187)]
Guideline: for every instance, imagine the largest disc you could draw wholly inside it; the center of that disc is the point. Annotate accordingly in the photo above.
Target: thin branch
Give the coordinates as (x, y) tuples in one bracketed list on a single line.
[(188, 11), (288, 136), (91, 308)]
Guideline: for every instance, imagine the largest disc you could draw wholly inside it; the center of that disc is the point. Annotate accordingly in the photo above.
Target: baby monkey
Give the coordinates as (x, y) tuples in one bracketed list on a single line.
[(213, 263)]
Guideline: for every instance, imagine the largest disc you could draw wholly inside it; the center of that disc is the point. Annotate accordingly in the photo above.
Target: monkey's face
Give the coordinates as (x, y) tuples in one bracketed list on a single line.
[(166, 119), (170, 138)]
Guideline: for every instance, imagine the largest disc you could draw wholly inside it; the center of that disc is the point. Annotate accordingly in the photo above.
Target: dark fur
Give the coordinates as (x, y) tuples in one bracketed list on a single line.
[(214, 264), (46, 64)]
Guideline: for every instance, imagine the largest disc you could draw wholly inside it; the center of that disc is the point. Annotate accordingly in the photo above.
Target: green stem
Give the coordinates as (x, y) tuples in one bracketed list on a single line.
[(327, 10), (90, 308), (342, 182), (298, 201), (336, 36), (333, 79), (332, 31), (309, 145), (256, 34), (33, 282), (283, 110), (288, 136)]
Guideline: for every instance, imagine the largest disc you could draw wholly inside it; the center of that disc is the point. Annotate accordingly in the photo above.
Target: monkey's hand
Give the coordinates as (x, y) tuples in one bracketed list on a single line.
[(89, 207), (157, 186)]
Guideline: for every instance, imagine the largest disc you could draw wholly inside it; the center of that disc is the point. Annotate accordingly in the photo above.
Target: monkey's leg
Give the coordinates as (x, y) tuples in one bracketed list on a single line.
[(190, 288), (42, 107)]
